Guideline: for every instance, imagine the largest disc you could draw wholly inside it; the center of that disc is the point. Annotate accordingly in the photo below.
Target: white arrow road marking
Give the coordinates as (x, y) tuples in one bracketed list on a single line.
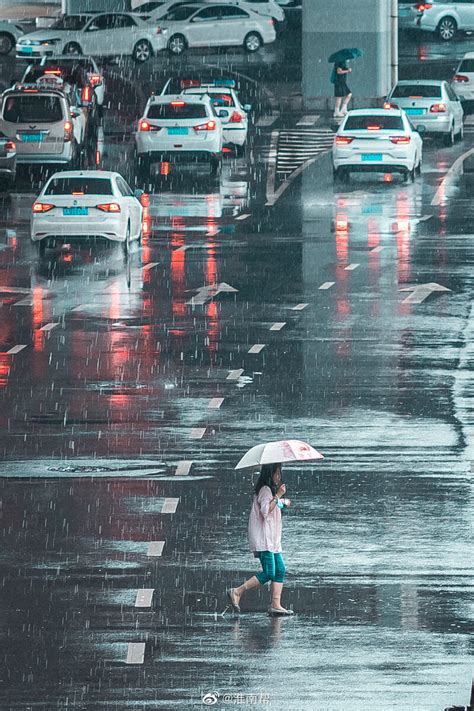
[(308, 121), (14, 290), (235, 374), (376, 250), (215, 403), (27, 301), (155, 549), (150, 265), (277, 326), (327, 284), (135, 653), (183, 468), (351, 267), (257, 347), (170, 506), (206, 293), (197, 433), (266, 121), (16, 349), (420, 292), (450, 177), (299, 307), (49, 326), (144, 597)]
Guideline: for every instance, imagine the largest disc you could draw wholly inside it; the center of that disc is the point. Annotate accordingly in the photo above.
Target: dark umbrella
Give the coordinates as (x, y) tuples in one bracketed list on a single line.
[(343, 55)]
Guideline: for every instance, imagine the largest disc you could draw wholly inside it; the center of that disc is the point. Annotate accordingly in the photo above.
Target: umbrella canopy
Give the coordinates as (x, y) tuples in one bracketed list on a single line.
[(285, 450), (343, 55)]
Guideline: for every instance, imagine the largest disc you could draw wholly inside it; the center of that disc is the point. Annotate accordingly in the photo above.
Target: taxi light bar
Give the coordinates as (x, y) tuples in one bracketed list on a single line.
[(109, 207), (400, 139), (236, 117), (42, 207), (438, 109), (461, 78), (209, 126), (343, 140), (188, 83)]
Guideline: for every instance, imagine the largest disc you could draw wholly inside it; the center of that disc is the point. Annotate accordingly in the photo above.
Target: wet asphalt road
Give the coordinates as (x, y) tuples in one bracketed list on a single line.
[(123, 386)]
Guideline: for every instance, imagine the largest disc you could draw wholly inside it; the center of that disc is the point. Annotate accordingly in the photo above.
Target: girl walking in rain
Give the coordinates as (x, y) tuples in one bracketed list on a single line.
[(264, 533), (341, 90)]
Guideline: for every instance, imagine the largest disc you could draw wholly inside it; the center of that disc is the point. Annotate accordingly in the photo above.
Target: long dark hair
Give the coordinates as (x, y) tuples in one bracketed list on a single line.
[(266, 478)]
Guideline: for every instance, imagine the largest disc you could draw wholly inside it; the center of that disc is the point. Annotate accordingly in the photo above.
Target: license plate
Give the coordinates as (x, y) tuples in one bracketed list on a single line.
[(177, 131), (75, 211), (414, 112), (26, 50), (372, 156), (31, 137)]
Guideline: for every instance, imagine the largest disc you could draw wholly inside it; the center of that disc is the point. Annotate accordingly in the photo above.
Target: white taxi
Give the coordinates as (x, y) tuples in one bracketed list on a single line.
[(178, 127), (226, 102), (377, 140), (76, 205), (462, 82)]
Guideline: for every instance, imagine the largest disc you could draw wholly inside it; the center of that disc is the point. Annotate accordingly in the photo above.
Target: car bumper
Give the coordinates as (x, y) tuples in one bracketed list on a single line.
[(389, 163), (149, 144), (40, 158), (235, 136), (60, 230), (24, 52), (437, 124), (463, 92), (8, 167)]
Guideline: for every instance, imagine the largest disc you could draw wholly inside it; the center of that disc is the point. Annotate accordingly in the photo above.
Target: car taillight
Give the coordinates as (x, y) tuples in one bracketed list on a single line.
[(144, 200), (159, 30), (389, 105), (236, 117), (86, 95), (109, 207), (209, 126), (438, 109), (144, 125), (271, 22), (400, 139), (95, 79), (67, 130), (10, 146), (373, 127), (343, 140), (422, 6), (42, 207), (461, 78)]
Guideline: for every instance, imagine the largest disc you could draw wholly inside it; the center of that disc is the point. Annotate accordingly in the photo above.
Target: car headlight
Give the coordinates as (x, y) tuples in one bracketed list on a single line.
[(45, 43), (29, 43)]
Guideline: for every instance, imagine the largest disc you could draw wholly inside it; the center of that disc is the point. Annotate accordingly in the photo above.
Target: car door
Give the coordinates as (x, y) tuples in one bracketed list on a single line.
[(235, 24), (202, 29), (133, 206), (95, 37), (456, 107), (123, 34), (465, 11)]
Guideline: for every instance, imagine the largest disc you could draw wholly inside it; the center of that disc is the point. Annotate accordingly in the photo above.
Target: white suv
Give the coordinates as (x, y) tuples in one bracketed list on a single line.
[(446, 18), (178, 126)]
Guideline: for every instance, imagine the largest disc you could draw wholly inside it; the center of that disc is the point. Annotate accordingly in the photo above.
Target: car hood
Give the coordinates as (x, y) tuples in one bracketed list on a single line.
[(43, 34)]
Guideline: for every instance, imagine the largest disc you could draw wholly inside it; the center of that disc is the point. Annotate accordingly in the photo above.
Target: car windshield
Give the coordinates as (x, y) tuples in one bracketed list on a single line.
[(70, 22), (40, 108), (177, 110), (467, 65), (179, 14), (79, 185), (378, 122), (418, 91)]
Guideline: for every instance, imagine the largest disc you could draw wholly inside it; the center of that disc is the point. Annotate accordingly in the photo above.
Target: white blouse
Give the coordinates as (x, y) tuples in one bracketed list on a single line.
[(264, 526)]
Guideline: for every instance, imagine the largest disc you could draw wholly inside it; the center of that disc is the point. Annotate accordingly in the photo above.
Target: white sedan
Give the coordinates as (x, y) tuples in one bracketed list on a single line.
[(377, 140), (113, 34), (77, 205), (10, 33), (226, 102), (213, 25)]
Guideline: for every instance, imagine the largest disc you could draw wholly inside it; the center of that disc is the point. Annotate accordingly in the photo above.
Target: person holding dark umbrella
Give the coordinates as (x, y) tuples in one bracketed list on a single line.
[(339, 78)]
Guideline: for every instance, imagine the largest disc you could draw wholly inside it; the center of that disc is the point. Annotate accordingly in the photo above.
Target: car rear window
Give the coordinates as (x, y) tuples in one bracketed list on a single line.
[(88, 186), (423, 91), (390, 123), (177, 111), (221, 99), (37, 108), (467, 65)]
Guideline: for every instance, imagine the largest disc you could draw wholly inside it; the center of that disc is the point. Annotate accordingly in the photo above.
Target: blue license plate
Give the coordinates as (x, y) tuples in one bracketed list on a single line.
[(177, 131), (75, 211), (26, 50), (414, 112), (372, 156), (31, 137)]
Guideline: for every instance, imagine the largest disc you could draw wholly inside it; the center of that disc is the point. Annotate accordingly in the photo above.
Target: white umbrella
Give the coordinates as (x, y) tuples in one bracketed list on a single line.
[(285, 450)]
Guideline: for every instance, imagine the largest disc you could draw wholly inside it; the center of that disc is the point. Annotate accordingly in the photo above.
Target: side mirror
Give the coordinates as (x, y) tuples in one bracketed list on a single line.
[(138, 193), (222, 113), (421, 130), (247, 107)]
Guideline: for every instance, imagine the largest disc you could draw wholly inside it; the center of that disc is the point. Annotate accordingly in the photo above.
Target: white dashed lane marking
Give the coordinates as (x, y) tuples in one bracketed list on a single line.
[(197, 433), (183, 468), (327, 284), (150, 265), (27, 301), (277, 326), (49, 326), (135, 653), (266, 121), (299, 307), (376, 250), (215, 403), (351, 267), (170, 506), (242, 217), (16, 349), (308, 121), (155, 549), (235, 374), (257, 347), (144, 597)]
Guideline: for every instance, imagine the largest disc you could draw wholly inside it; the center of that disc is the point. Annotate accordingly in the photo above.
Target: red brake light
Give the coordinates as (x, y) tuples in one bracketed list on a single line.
[(400, 139), (415, 96), (144, 125), (95, 79), (374, 127), (424, 6), (188, 83), (42, 207), (67, 130), (438, 109), (343, 140), (109, 207), (10, 146), (56, 72), (86, 94), (461, 78), (177, 103), (145, 199), (236, 117), (209, 126), (77, 192)]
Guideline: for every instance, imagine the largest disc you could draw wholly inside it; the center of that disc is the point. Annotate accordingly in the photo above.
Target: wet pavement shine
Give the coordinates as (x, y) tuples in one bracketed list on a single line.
[(129, 392)]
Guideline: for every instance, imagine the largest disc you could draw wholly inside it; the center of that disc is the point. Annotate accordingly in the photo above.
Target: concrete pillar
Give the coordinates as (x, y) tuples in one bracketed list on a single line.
[(328, 27)]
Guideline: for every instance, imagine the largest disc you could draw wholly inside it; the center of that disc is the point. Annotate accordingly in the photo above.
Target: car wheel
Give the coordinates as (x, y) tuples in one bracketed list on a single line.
[(41, 247), (460, 133), (340, 174), (449, 137), (142, 52), (240, 150), (126, 242), (418, 167), (215, 166), (7, 43), (142, 164), (177, 44), (447, 29), (72, 48), (252, 42)]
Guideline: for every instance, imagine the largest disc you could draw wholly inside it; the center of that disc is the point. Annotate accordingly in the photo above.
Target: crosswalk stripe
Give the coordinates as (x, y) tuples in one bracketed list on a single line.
[(155, 549), (144, 597), (135, 653)]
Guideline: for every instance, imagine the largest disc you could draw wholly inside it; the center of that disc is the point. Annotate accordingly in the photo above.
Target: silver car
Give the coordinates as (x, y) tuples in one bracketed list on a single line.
[(431, 106)]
